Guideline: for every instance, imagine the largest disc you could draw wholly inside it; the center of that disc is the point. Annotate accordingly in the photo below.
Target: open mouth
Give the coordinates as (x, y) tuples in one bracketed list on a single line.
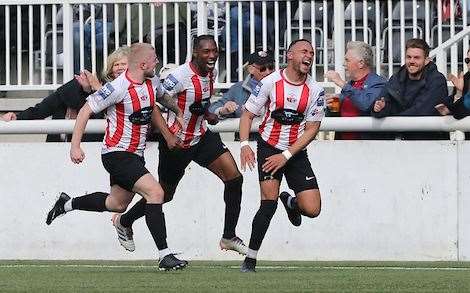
[(211, 64), (307, 63)]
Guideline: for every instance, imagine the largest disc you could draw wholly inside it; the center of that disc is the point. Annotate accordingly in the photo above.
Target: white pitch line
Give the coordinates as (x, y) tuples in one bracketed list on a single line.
[(237, 267), (363, 268)]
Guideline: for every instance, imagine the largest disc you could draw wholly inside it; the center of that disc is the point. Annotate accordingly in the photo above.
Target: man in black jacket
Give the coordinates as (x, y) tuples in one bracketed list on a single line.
[(414, 90), (70, 96)]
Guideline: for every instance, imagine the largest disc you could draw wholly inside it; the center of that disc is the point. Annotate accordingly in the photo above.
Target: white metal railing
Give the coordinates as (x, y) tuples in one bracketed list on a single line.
[(50, 39), (441, 51), (446, 124)]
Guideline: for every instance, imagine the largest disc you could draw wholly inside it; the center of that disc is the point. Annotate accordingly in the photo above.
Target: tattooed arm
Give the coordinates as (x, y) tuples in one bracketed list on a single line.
[(170, 103)]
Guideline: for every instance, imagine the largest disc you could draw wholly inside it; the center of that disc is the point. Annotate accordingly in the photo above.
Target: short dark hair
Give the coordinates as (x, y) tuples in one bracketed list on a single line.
[(197, 40), (297, 41), (419, 44)]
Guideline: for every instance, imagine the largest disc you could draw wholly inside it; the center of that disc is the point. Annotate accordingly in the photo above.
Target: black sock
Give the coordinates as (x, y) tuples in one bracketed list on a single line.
[(155, 219), (261, 223), (93, 202), (135, 212), (232, 198)]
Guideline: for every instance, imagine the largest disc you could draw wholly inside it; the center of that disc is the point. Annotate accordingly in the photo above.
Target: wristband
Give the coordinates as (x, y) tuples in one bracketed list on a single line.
[(244, 143), (287, 154)]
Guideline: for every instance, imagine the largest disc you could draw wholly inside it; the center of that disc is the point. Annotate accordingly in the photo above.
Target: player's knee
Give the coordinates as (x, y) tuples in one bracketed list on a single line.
[(155, 195), (312, 212), (121, 209), (118, 207)]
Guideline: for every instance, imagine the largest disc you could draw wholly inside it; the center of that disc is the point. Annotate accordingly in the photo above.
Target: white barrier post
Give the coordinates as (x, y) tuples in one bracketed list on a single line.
[(67, 41), (201, 17), (338, 35)]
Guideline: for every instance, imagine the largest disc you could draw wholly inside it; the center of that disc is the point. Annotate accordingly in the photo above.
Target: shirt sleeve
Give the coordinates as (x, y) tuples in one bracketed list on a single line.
[(173, 83), (316, 109), (158, 88), (108, 95), (258, 98)]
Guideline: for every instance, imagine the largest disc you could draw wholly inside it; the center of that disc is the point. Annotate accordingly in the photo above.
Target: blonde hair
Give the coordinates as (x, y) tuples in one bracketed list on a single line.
[(120, 53), (138, 53)]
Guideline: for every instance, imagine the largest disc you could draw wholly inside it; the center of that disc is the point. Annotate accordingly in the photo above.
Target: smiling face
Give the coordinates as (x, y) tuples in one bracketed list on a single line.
[(415, 62), (301, 57), (352, 64), (119, 66), (205, 55)]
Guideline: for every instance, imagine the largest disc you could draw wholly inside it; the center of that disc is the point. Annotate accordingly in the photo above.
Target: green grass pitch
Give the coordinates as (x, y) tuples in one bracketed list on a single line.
[(143, 276)]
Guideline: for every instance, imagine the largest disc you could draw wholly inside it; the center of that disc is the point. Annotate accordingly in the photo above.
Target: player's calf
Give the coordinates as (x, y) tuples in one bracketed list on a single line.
[(232, 199)]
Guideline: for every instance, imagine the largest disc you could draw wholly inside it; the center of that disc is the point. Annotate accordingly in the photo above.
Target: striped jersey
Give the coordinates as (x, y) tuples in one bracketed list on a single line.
[(129, 107), (188, 87), (276, 92)]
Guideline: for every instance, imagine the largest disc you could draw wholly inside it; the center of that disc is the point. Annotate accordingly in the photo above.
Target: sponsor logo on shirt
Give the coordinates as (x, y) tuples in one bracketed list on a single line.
[(321, 99), (257, 89), (291, 98), (106, 90), (170, 82)]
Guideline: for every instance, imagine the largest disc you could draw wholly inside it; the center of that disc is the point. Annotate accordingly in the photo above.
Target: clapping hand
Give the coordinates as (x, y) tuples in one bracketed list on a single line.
[(457, 81)]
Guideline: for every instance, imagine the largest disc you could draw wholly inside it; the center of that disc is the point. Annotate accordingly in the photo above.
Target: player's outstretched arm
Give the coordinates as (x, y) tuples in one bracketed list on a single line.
[(247, 156), (76, 153)]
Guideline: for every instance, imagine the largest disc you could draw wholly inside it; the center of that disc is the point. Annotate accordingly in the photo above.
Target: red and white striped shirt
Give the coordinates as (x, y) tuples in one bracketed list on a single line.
[(129, 110), (188, 86), (276, 92)]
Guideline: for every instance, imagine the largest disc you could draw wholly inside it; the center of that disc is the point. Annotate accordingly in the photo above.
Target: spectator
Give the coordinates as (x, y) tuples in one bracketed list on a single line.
[(458, 104), (260, 64), (357, 95), (70, 97), (414, 90)]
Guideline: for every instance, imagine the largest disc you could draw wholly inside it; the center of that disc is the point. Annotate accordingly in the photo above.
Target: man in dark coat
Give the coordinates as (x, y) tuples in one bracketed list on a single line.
[(414, 90)]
